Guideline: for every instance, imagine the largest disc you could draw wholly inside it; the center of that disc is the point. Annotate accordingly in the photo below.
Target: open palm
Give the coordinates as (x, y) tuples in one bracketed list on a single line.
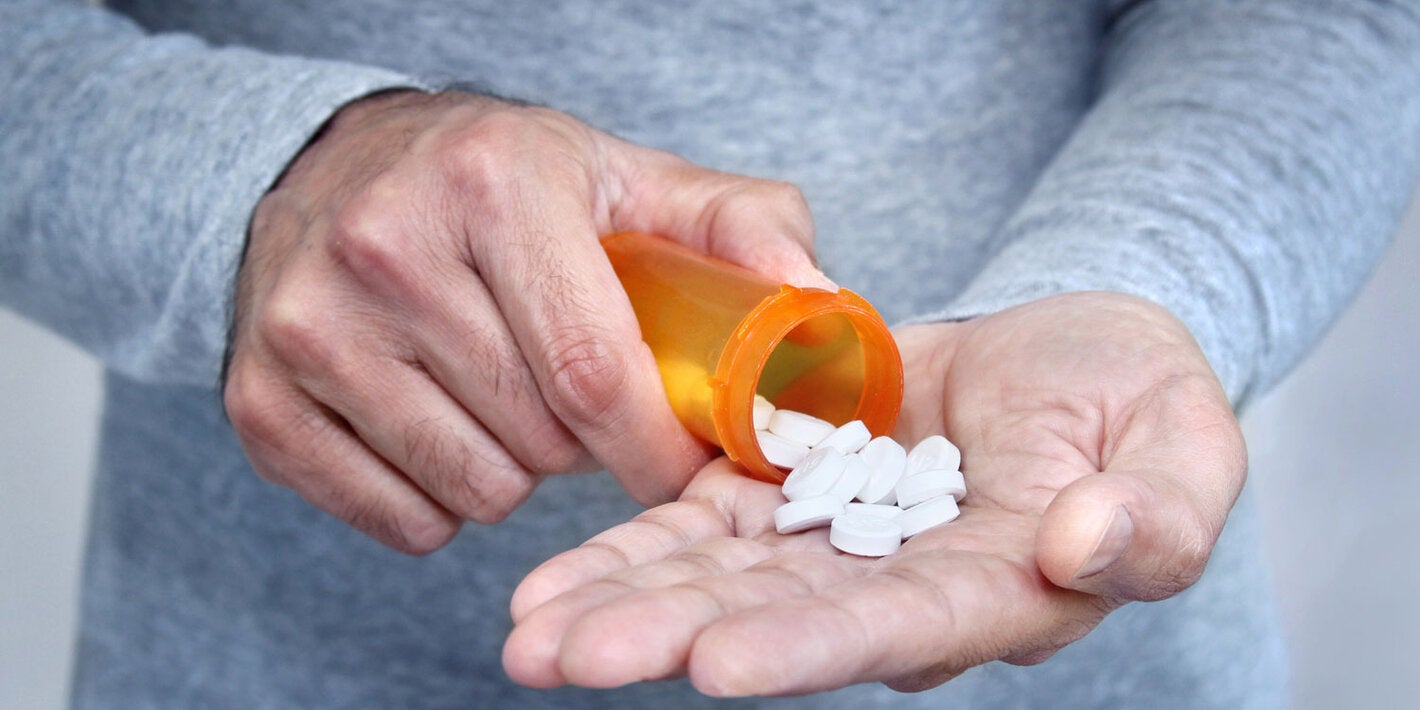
[(1101, 459)]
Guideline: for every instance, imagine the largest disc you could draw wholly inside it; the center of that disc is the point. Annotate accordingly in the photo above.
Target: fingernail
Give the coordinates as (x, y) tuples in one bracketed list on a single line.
[(1111, 544)]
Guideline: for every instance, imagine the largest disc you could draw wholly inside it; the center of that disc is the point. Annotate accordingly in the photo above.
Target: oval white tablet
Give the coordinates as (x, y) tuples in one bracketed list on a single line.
[(917, 487), (763, 410), (780, 451), (799, 427), (927, 514), (815, 475), (855, 474), (886, 462), (933, 453), (799, 515), (865, 535), (877, 511), (848, 438)]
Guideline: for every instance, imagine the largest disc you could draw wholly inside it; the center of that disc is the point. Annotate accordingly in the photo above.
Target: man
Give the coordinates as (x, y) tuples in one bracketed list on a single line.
[(1108, 222)]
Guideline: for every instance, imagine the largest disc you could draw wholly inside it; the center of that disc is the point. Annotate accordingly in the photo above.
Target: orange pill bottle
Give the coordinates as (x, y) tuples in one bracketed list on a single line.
[(722, 333)]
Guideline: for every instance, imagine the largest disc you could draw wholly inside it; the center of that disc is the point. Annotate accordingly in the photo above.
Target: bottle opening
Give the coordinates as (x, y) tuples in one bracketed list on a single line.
[(816, 352), (818, 369)]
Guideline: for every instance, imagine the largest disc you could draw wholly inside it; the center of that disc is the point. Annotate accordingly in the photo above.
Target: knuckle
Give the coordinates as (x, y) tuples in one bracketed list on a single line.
[(293, 326), (754, 203), (784, 194), (278, 436), (493, 497), (536, 438), (256, 410), (482, 156), (472, 484), (588, 378), (492, 159), (757, 197), (242, 398), (552, 450), (1193, 545), (367, 240), (407, 532), (421, 535)]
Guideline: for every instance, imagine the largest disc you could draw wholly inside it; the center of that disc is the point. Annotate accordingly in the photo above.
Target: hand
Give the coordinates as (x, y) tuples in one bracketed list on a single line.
[(1101, 459), (426, 322)]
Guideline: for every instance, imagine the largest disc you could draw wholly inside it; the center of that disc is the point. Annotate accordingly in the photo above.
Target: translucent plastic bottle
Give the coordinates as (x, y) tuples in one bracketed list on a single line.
[(722, 333)]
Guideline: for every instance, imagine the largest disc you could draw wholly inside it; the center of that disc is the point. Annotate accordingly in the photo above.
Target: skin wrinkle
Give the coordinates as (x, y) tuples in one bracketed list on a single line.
[(704, 561), (613, 188), (481, 348), (1125, 422), (725, 503), (666, 524), (779, 566), (720, 608)]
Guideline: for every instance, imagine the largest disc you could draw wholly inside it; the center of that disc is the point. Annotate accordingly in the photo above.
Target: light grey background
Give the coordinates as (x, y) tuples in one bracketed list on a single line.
[(1334, 454)]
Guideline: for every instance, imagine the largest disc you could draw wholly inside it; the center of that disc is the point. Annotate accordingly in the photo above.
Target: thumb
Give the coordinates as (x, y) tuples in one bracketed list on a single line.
[(1143, 528), (762, 225), (1130, 535)]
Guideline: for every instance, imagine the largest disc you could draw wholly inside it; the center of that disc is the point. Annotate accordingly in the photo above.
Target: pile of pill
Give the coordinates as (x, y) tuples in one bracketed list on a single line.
[(871, 492)]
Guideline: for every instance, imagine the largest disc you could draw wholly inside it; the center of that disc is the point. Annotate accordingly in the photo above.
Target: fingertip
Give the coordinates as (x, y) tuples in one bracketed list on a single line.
[(530, 656), (808, 276), (540, 586), (1085, 530), (719, 667), (792, 262), (420, 535), (1124, 535), (601, 650), (560, 574), (788, 261)]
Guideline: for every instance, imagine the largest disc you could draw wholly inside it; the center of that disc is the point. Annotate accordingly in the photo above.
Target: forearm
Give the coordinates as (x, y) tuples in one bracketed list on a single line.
[(1244, 166), (134, 162)]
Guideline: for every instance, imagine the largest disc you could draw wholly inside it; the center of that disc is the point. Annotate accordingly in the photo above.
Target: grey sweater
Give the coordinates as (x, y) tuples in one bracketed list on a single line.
[(1241, 163)]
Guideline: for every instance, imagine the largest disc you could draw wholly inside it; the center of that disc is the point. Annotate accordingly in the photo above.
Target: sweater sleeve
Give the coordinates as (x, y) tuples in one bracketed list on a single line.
[(1244, 165), (133, 163)]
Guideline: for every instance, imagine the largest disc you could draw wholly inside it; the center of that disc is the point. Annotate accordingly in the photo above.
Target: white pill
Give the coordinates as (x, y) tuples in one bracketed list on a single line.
[(927, 514), (815, 475), (917, 487), (877, 511), (799, 515), (957, 490), (887, 460), (865, 535), (763, 410), (850, 482), (799, 427), (933, 453), (780, 451), (848, 438)]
